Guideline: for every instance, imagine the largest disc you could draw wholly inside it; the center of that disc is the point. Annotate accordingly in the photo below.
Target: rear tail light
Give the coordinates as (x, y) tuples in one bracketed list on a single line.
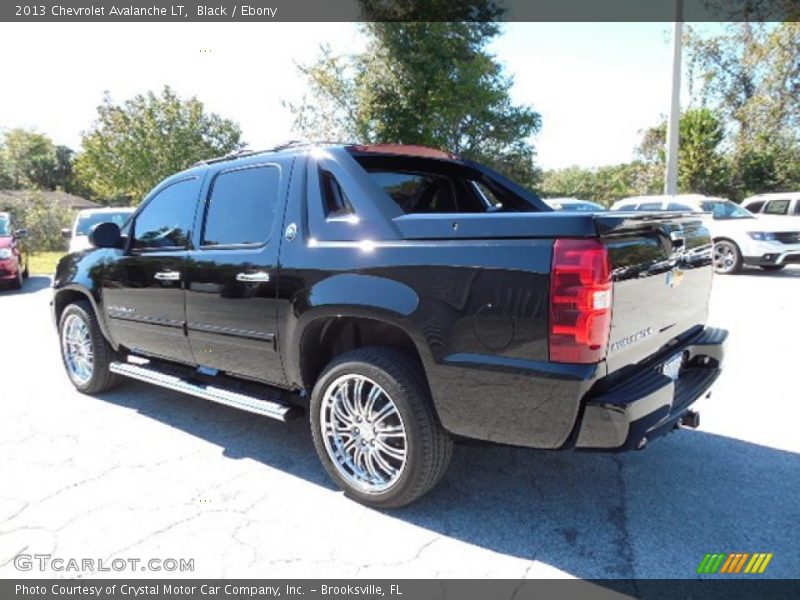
[(580, 301)]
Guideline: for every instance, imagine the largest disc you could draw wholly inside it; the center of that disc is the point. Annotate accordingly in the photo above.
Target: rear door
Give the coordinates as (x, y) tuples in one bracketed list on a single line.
[(232, 275), (143, 288)]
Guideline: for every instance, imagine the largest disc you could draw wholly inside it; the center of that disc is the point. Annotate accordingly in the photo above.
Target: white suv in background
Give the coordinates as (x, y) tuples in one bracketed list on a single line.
[(785, 204), (740, 237), (88, 218)]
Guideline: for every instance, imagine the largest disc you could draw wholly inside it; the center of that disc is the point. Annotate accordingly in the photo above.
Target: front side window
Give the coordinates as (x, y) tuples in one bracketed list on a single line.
[(777, 207), (725, 209), (241, 207), (86, 222), (166, 221)]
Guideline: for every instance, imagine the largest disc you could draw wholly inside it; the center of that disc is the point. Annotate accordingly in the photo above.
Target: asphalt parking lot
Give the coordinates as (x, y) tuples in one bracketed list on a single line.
[(147, 473)]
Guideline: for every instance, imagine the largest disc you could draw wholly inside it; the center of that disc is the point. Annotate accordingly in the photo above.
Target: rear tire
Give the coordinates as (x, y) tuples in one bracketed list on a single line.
[(375, 430), (84, 349), (727, 257), (772, 267)]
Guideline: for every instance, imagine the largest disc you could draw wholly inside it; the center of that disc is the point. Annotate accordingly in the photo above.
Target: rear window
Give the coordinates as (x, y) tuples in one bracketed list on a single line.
[(650, 206), (421, 185), (777, 207), (627, 207), (422, 192), (5, 228), (677, 206)]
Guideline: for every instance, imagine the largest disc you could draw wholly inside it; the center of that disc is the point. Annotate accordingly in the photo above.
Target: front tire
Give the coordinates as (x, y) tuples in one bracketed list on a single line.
[(84, 350), (727, 257), (375, 430)]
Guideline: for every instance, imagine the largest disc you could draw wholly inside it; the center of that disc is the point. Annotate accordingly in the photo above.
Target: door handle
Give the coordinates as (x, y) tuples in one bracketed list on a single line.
[(168, 275), (258, 277)]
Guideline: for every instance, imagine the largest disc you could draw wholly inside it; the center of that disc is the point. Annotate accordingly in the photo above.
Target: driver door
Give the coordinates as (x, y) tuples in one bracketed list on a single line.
[(143, 289)]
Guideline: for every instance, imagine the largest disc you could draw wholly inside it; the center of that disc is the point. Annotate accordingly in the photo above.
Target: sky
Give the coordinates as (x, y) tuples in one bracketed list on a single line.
[(596, 85)]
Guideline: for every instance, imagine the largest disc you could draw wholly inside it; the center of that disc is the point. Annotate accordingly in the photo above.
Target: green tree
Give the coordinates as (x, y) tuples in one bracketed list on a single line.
[(605, 184), (29, 159), (134, 145), (428, 83), (702, 167), (751, 76)]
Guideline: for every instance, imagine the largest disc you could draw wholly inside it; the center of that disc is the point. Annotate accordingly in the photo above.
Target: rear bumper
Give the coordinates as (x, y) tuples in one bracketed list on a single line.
[(648, 404)]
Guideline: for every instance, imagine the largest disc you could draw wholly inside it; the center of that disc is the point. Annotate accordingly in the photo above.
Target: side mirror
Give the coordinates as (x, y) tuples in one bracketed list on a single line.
[(66, 233), (21, 233), (105, 235)]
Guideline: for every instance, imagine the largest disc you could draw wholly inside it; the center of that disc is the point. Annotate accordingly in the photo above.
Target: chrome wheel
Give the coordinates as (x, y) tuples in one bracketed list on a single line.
[(363, 433), (726, 257), (76, 345)]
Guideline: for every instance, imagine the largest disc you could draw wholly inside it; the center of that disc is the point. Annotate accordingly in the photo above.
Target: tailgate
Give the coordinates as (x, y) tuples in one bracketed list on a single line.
[(662, 271)]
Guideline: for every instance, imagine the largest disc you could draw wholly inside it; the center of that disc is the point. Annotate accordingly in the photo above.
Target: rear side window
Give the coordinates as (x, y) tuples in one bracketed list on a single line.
[(777, 207), (676, 206), (337, 204), (241, 207), (755, 206), (166, 221), (797, 207)]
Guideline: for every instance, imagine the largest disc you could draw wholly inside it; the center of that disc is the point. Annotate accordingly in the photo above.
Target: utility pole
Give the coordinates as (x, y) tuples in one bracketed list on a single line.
[(673, 125)]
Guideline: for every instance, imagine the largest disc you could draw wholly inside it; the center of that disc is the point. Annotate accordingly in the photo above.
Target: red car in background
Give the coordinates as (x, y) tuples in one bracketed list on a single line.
[(13, 256)]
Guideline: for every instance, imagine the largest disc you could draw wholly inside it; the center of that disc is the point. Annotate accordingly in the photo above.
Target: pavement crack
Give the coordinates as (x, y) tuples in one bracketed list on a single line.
[(618, 516)]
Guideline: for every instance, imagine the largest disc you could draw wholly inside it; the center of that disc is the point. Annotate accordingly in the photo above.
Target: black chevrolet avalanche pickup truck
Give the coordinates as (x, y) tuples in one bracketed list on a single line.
[(405, 298)]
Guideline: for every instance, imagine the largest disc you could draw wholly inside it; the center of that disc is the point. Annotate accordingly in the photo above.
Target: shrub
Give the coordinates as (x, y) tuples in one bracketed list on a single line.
[(44, 221)]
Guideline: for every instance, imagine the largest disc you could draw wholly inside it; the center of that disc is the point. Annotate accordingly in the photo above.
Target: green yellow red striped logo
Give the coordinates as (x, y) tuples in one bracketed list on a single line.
[(734, 562)]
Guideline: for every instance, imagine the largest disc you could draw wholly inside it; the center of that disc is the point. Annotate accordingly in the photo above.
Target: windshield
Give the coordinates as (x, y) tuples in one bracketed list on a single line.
[(725, 209), (4, 228), (86, 222)]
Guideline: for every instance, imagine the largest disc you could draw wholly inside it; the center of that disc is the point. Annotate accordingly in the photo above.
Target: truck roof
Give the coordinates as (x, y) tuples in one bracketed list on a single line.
[(410, 150)]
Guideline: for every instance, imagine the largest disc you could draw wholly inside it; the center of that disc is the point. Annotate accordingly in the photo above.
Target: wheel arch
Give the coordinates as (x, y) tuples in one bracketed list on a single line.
[(73, 293), (327, 336)]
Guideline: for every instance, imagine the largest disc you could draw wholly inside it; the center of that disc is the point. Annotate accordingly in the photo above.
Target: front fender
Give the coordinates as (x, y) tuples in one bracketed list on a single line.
[(81, 274)]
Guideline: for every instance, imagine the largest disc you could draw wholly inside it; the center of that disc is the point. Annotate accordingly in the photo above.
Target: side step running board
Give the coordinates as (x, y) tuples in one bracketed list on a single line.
[(260, 406)]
